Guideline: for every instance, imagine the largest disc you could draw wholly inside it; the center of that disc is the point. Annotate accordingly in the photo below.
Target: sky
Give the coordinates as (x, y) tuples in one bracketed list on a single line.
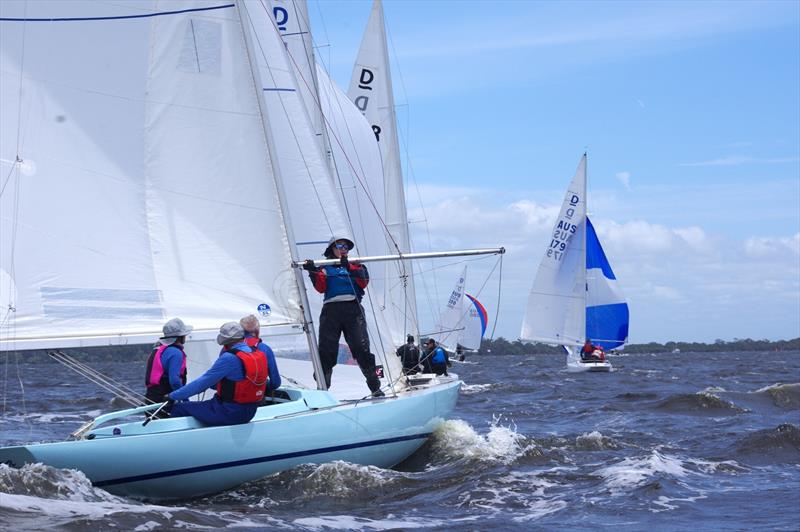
[(689, 113)]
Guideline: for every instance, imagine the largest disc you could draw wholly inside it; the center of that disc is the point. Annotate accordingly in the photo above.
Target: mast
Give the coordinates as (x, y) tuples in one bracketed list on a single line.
[(582, 258), (308, 325)]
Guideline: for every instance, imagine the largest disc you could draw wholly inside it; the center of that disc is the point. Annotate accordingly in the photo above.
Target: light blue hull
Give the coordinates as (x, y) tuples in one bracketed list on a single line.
[(177, 458)]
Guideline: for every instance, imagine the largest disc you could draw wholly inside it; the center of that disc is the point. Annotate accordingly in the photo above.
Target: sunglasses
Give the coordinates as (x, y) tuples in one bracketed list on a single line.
[(341, 245)]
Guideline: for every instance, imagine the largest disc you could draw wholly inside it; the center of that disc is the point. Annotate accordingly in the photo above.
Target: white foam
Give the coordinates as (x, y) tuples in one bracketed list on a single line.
[(470, 389), (778, 386), (73, 508), (633, 472), (457, 439), (349, 522)]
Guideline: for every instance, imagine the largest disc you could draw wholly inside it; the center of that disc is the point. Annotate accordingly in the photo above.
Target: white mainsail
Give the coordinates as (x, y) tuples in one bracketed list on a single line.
[(556, 311), (291, 20), (132, 196), (315, 206), (371, 91)]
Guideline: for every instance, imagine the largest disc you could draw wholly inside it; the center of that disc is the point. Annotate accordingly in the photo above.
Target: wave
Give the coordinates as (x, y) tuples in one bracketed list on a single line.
[(638, 472), (699, 403), (783, 395), (595, 441), (781, 444), (456, 439), (40, 480)]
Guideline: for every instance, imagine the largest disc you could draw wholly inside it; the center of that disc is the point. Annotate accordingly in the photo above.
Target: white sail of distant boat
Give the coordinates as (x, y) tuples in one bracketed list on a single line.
[(143, 181), (371, 91), (574, 293), (463, 322)]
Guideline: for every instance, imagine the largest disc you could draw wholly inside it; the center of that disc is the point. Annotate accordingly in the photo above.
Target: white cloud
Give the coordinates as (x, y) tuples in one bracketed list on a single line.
[(641, 103), (681, 282), (768, 247), (624, 178)]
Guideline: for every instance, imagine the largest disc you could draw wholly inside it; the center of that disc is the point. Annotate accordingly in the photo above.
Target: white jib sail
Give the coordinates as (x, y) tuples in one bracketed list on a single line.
[(140, 186), (556, 310), (371, 91)]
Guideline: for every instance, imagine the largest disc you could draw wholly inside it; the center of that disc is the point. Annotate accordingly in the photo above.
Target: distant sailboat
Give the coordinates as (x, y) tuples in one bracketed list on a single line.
[(463, 321), (575, 294)]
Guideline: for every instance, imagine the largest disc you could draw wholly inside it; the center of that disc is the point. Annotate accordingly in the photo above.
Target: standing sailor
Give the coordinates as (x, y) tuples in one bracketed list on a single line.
[(166, 366), (343, 285), (409, 356)]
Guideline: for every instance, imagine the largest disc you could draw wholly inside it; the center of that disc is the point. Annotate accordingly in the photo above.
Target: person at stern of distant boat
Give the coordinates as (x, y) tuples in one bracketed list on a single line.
[(252, 337), (437, 356), (409, 356), (343, 284), (166, 365), (239, 377), (591, 352)]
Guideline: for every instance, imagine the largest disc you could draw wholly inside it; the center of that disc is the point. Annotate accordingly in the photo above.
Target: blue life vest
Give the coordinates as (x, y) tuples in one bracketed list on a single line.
[(438, 356), (339, 283)]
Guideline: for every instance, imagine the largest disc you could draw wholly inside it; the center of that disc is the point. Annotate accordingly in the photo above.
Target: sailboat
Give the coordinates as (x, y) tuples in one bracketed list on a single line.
[(463, 321), (575, 295), (142, 181)]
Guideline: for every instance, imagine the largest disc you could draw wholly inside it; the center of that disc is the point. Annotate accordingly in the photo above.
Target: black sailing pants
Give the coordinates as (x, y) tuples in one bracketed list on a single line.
[(346, 317)]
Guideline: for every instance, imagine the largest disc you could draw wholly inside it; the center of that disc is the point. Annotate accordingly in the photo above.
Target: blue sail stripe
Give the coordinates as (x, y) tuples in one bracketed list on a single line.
[(118, 17), (595, 256), (258, 460)]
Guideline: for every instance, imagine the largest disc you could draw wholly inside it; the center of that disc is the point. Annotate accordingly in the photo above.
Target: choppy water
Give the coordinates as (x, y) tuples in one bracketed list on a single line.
[(683, 441)]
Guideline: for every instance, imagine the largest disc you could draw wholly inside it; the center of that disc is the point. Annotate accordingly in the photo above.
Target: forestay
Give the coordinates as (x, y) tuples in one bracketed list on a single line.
[(136, 174)]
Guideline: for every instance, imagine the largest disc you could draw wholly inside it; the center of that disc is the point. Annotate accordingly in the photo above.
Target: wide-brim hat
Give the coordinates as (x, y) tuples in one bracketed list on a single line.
[(230, 332), (329, 249), (174, 329)]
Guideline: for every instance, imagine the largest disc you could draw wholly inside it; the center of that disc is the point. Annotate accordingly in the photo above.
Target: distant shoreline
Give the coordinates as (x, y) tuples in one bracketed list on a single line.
[(505, 347)]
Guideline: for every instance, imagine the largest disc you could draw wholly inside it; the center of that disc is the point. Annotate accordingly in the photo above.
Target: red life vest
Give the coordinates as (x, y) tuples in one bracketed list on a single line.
[(250, 389), (155, 375)]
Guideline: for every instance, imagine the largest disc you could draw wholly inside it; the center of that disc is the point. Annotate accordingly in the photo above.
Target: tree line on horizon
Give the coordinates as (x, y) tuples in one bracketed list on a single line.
[(501, 346)]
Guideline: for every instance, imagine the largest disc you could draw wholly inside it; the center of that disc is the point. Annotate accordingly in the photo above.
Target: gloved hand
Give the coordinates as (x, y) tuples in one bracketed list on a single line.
[(167, 399), (344, 262), (309, 266)]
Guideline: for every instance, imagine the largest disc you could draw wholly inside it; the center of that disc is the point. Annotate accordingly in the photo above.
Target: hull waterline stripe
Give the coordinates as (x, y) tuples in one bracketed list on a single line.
[(118, 17), (260, 459)]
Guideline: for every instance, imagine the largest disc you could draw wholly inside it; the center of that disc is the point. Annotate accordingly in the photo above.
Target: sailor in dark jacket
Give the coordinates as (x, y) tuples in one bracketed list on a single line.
[(343, 285)]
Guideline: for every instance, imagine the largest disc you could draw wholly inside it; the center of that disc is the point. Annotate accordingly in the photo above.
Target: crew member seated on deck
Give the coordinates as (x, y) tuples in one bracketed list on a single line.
[(166, 365), (252, 337), (592, 353), (239, 376)]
